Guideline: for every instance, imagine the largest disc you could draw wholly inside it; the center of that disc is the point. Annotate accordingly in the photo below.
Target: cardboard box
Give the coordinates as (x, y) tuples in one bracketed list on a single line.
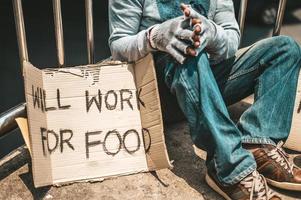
[(294, 140), (92, 122)]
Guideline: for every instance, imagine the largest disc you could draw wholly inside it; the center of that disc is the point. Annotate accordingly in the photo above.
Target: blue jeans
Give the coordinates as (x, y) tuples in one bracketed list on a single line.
[(269, 69)]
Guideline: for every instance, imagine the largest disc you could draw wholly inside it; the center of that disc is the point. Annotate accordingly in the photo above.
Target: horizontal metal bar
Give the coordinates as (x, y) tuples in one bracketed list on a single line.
[(280, 15), (242, 15), (89, 30), (7, 119), (59, 35), (20, 30)]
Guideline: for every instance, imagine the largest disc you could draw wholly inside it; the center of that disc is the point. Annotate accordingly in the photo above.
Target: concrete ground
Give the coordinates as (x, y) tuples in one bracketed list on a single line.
[(184, 181)]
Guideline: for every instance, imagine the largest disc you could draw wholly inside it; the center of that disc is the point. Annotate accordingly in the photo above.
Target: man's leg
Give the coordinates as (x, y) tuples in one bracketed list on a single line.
[(210, 125), (270, 70)]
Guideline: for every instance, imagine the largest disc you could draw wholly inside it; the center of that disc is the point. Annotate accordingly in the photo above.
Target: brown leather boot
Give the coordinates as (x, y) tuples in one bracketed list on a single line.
[(274, 165), (253, 187), (297, 160)]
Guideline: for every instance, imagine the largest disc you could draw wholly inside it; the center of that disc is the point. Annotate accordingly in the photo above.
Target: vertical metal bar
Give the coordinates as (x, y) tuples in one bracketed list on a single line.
[(89, 30), (280, 15), (20, 29), (59, 35), (242, 15)]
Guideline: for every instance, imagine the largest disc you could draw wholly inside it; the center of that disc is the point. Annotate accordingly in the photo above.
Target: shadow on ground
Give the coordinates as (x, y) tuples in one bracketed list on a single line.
[(187, 164)]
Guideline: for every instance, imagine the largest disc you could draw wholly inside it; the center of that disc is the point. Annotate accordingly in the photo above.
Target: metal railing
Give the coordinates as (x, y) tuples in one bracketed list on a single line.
[(242, 15), (279, 19), (7, 119), (59, 34), (20, 30)]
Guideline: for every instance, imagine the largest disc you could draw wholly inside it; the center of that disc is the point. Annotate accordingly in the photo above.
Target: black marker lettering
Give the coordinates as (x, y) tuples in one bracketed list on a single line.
[(105, 139), (58, 97), (67, 141), (139, 101), (93, 143), (43, 138), (146, 131), (44, 99), (127, 99), (35, 96), (138, 141), (89, 102), (108, 105), (50, 150)]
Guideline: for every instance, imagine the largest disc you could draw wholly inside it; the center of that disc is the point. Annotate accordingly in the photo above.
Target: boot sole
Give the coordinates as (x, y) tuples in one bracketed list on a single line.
[(215, 187), (285, 185)]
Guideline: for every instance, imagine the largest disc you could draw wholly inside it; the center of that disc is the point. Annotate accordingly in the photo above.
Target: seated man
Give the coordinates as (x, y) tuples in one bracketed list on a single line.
[(196, 50)]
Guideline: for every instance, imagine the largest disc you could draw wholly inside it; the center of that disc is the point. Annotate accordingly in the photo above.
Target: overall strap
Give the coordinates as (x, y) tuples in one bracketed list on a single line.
[(169, 9), (201, 6)]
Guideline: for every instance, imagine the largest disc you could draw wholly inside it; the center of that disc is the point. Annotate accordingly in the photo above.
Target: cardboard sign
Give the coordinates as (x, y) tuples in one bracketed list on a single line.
[(94, 121), (294, 140)]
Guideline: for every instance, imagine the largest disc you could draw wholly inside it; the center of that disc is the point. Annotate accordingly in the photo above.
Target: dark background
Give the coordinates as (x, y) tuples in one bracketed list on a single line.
[(38, 16)]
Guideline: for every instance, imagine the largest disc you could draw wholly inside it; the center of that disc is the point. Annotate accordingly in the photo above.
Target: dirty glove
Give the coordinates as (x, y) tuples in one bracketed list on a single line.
[(174, 37), (208, 29)]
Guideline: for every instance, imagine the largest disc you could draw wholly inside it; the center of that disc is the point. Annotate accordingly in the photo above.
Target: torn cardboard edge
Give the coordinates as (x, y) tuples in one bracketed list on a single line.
[(23, 125), (144, 73)]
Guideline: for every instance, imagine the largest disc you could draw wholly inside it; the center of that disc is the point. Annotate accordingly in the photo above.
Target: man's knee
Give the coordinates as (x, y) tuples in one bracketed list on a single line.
[(288, 46)]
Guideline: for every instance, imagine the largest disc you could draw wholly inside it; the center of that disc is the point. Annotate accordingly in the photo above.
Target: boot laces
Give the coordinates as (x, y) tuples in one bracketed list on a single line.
[(281, 157), (257, 187)]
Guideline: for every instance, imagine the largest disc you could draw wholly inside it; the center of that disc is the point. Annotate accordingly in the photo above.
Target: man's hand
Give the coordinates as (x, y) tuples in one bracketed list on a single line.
[(206, 28), (176, 37)]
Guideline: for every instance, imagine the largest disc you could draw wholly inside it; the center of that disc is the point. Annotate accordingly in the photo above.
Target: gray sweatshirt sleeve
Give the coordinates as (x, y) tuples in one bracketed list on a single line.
[(126, 42), (227, 34)]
